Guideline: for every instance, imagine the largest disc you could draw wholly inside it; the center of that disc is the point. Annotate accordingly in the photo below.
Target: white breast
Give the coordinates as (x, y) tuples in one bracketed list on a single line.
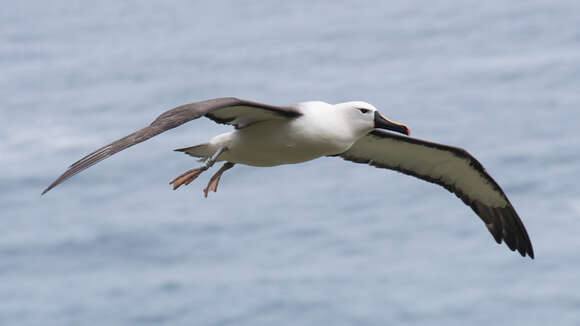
[(277, 142)]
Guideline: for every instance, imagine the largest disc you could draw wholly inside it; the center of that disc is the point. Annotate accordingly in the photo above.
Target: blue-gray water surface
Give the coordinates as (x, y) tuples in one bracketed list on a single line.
[(326, 242)]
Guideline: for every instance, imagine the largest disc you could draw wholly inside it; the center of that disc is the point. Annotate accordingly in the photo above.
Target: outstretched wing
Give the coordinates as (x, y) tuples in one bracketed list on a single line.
[(454, 169), (228, 110)]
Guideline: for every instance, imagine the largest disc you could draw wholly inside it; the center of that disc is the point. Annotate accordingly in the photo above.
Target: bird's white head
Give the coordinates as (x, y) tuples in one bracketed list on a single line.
[(363, 117)]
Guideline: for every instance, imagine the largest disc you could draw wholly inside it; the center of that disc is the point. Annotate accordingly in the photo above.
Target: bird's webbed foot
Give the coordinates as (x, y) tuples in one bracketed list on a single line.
[(187, 177), (215, 179)]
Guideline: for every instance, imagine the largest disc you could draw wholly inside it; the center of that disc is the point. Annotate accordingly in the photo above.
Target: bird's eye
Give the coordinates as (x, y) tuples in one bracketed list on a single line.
[(363, 111)]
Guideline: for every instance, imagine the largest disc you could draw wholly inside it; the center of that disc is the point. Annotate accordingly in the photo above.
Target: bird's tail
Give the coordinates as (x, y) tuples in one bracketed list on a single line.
[(203, 151)]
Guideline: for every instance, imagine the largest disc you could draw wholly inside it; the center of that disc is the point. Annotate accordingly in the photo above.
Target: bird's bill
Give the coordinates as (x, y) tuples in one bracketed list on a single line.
[(383, 123)]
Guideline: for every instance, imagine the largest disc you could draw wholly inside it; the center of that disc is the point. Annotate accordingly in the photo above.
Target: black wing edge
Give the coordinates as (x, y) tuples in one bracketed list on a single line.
[(285, 111), (502, 222), (167, 120)]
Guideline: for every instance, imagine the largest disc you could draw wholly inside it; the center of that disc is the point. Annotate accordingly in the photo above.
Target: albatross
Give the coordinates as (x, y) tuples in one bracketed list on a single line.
[(269, 135)]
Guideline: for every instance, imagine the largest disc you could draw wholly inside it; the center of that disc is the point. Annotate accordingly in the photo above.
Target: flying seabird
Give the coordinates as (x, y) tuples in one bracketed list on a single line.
[(268, 135)]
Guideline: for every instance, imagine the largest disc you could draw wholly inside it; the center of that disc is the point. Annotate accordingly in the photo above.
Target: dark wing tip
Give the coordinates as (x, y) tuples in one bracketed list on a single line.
[(505, 225), (88, 161), (46, 190), (52, 185)]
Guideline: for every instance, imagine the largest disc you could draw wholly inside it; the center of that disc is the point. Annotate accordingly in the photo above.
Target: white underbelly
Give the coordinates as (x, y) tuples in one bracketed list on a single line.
[(278, 142)]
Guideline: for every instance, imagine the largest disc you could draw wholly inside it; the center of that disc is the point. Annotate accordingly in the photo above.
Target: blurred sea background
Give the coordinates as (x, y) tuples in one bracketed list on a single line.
[(326, 242)]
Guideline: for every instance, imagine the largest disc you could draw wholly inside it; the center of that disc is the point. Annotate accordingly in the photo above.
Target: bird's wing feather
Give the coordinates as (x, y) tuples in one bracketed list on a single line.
[(228, 110), (454, 169)]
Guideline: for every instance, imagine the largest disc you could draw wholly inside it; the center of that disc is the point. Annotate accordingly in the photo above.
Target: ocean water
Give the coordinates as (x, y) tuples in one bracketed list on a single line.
[(326, 242)]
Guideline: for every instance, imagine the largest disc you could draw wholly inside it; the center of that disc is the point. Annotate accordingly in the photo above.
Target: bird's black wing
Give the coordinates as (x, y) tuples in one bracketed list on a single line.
[(228, 110), (452, 168)]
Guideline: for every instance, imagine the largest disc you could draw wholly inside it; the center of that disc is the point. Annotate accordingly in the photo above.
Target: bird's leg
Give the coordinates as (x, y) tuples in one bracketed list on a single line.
[(215, 179), (188, 176)]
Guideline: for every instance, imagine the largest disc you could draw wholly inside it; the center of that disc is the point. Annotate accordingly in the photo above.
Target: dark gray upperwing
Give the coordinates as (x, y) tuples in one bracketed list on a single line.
[(228, 110), (452, 168)]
